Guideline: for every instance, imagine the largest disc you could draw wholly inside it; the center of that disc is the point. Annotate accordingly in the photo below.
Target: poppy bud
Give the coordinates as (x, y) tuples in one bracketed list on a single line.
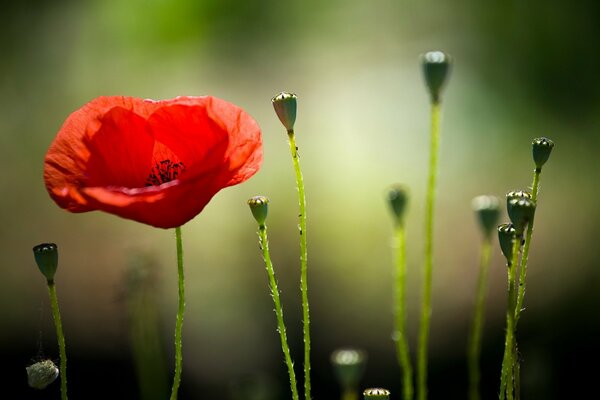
[(506, 235), (41, 374), (348, 366), (46, 258), (397, 197), (436, 67), (285, 107), (259, 205), (376, 394), (488, 211), (542, 147), (520, 210)]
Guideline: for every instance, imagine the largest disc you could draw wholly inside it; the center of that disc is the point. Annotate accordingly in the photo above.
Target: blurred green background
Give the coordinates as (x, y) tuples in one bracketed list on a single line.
[(522, 70)]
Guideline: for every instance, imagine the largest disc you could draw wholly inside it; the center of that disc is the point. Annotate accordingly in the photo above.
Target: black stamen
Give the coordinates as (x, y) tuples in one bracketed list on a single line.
[(163, 172)]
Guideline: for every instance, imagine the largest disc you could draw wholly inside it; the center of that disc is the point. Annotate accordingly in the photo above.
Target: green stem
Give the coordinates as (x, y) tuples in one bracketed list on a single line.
[(474, 347), (349, 394), (179, 322), (428, 273), (264, 245), (524, 258), (400, 336), (61, 339), (303, 263), (507, 375)]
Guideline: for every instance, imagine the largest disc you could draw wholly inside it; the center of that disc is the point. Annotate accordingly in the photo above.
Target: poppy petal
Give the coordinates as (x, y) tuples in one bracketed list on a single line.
[(156, 162)]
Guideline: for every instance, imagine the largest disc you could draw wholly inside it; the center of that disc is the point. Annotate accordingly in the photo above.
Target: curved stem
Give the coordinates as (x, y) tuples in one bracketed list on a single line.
[(303, 263), (525, 257), (60, 337), (507, 375), (474, 346), (402, 352), (179, 321), (428, 272), (264, 245)]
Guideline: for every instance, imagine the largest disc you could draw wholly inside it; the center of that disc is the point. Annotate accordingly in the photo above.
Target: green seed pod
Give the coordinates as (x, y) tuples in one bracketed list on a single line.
[(376, 394), (349, 366), (506, 235), (41, 374), (488, 212), (521, 211), (285, 108), (436, 68), (259, 205), (541, 149), (397, 197), (46, 258)]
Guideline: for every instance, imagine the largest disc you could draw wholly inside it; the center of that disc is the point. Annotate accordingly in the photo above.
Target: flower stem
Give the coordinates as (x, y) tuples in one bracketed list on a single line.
[(303, 263), (524, 258), (349, 394), (426, 306), (264, 245), (400, 336), (179, 322), (507, 374), (61, 339), (474, 346)]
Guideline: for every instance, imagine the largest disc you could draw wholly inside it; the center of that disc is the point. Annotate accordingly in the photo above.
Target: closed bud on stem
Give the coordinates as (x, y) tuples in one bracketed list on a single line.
[(285, 108), (376, 394), (488, 212), (521, 209), (506, 235), (541, 149), (397, 197), (41, 374), (259, 205), (46, 258), (436, 68), (349, 366)]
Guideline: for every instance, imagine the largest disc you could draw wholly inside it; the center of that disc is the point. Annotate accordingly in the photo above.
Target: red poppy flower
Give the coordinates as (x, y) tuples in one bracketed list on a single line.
[(156, 162)]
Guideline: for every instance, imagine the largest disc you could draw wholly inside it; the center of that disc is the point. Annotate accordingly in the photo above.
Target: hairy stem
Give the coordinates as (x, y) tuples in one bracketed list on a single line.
[(428, 272), (60, 337), (303, 263), (400, 336), (180, 310), (264, 245)]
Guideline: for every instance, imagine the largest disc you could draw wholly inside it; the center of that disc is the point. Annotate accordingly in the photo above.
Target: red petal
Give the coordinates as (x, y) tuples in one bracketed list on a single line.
[(104, 152)]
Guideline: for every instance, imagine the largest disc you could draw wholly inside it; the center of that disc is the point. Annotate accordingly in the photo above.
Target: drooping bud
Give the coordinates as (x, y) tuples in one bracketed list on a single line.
[(520, 210), (46, 258), (506, 235), (397, 197), (541, 149), (376, 394), (285, 108), (488, 212), (436, 68), (41, 374), (259, 205), (349, 366)]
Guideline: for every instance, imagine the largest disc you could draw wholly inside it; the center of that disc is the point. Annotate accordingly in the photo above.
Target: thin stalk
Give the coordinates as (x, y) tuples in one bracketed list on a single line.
[(60, 337), (349, 394), (524, 258), (428, 272), (507, 375), (303, 263), (400, 336), (474, 346), (180, 310), (264, 245)]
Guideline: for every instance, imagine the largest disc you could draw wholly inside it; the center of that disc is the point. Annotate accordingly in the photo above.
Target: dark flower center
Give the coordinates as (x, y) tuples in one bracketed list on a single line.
[(163, 172)]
